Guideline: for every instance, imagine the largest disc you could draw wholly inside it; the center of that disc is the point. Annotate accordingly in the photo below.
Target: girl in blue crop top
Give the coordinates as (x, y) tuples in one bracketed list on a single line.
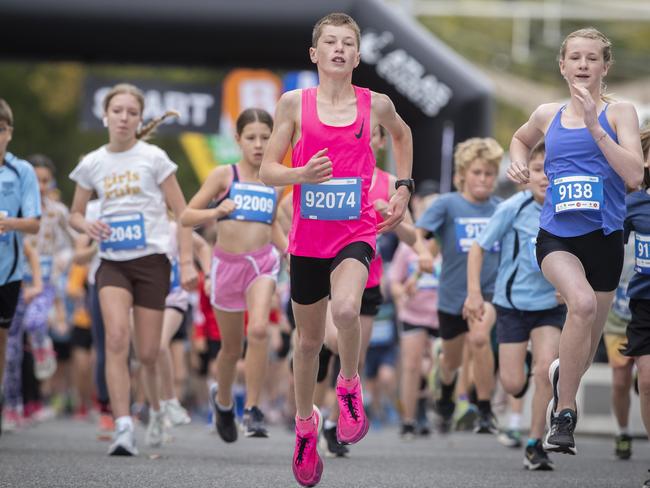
[(593, 152)]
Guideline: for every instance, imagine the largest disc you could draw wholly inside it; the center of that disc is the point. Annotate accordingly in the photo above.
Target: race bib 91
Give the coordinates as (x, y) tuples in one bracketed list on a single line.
[(642, 253), (46, 264), (175, 277), (336, 199), (254, 203), (4, 237), (532, 246), (468, 229), (576, 193), (127, 232)]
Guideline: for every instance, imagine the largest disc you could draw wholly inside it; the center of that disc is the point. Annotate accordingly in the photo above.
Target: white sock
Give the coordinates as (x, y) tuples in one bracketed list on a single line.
[(125, 421), (623, 431), (222, 408), (329, 424), (515, 421)]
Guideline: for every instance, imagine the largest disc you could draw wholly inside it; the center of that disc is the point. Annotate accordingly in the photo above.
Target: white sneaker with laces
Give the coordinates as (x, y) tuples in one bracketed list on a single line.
[(155, 429), (175, 412), (123, 442)]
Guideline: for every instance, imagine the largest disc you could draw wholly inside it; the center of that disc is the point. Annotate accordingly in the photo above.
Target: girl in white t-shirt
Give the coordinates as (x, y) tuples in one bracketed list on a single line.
[(135, 182)]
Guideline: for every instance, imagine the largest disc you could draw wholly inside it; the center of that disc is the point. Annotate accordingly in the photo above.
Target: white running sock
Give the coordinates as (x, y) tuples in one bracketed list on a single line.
[(125, 421)]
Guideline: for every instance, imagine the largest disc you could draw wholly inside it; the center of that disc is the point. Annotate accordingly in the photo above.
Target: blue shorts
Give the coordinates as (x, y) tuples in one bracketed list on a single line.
[(515, 325), (379, 356)]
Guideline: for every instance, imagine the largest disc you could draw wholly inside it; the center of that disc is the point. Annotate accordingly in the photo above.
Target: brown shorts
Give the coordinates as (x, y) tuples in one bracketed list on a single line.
[(146, 278)]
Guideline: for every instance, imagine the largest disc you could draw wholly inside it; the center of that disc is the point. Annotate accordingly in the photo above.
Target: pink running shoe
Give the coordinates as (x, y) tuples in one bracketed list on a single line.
[(307, 463), (353, 424)]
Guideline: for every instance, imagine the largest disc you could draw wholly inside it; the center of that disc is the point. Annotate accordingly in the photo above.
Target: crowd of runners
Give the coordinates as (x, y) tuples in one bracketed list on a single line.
[(284, 293)]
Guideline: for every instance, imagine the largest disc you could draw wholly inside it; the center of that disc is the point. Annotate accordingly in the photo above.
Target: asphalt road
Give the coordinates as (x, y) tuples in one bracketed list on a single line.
[(65, 453)]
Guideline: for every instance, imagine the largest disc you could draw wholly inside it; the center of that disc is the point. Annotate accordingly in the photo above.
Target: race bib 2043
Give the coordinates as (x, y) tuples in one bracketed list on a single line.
[(127, 232)]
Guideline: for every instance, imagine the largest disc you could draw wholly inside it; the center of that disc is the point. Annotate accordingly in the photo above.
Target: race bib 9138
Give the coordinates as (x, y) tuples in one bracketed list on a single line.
[(577, 193)]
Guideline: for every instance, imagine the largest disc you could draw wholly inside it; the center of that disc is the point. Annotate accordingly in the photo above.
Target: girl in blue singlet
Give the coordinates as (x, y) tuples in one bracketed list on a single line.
[(637, 221), (593, 153)]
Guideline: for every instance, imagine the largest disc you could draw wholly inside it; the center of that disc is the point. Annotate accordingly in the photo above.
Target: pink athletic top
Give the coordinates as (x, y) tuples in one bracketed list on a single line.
[(378, 191), (351, 156)]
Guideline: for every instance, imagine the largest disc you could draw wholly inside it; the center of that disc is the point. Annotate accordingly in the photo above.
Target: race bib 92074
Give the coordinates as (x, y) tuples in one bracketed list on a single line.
[(336, 199)]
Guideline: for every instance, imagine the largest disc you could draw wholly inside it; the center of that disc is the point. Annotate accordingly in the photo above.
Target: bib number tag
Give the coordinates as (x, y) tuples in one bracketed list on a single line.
[(336, 199), (426, 281), (532, 246), (382, 332), (576, 193), (255, 203), (46, 263), (175, 277), (4, 237), (642, 253), (127, 232), (621, 304), (468, 229)]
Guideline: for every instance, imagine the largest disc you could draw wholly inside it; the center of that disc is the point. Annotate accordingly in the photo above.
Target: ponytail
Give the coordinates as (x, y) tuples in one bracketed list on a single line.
[(150, 127)]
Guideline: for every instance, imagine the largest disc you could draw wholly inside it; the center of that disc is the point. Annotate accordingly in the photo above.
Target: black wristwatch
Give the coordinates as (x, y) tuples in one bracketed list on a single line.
[(408, 183)]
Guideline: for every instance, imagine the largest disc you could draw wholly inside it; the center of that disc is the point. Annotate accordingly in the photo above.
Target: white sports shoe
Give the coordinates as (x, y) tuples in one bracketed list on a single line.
[(175, 412), (123, 442), (155, 429)]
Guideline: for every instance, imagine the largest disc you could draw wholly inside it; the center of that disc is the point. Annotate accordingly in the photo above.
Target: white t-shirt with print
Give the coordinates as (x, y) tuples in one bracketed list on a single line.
[(129, 183)]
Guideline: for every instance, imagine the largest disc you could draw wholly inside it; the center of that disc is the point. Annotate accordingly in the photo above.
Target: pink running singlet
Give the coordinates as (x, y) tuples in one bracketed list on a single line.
[(378, 191), (351, 156)]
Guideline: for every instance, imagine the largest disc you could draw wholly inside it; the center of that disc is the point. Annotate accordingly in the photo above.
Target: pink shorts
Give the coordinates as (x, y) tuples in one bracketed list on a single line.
[(233, 274)]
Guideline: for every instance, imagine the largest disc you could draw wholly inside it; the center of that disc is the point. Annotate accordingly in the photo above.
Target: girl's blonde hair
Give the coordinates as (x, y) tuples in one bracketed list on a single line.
[(486, 149), (148, 129), (608, 57)]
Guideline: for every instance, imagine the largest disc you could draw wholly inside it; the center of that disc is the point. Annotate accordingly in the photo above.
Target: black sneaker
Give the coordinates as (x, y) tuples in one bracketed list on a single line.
[(646, 484), (224, 420), (560, 437), (623, 446), (536, 459), (330, 445), (445, 410), (487, 424), (254, 424), (408, 431)]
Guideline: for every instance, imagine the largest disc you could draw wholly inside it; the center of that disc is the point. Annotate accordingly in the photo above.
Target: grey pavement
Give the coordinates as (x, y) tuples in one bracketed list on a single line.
[(65, 453)]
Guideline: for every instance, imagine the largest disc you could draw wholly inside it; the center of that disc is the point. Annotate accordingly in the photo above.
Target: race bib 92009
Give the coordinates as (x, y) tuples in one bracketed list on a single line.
[(254, 203)]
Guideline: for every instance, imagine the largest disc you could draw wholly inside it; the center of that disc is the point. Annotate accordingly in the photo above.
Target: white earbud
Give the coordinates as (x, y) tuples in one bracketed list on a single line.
[(139, 127), (105, 121)]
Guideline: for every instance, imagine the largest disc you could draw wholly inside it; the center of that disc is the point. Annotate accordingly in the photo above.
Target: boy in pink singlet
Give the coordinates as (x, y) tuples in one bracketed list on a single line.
[(332, 238)]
